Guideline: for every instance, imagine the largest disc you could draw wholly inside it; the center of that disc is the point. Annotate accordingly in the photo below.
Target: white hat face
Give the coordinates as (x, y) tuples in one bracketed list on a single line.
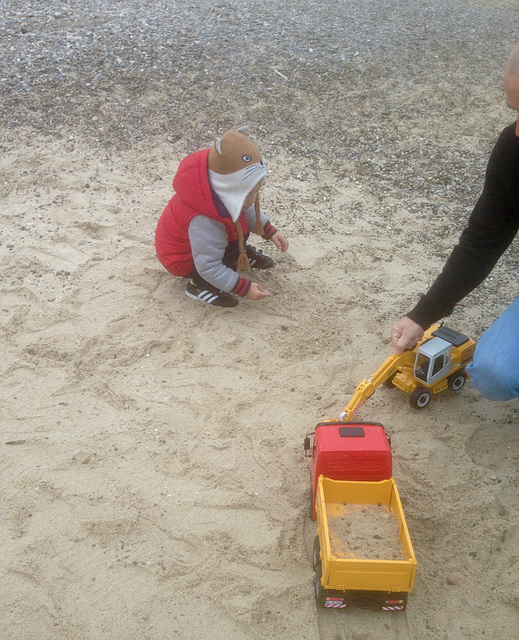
[(233, 188)]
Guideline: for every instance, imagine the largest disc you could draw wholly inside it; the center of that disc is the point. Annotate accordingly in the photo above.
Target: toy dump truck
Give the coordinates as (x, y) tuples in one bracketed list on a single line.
[(436, 363), (362, 553)]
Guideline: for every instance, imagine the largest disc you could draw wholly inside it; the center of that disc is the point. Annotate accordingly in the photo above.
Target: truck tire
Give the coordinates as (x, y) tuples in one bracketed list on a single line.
[(320, 594), (420, 398), (316, 554), (457, 380), (311, 506)]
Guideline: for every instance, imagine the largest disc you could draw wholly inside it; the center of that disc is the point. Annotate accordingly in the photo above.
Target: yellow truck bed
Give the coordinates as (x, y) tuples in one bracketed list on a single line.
[(342, 568)]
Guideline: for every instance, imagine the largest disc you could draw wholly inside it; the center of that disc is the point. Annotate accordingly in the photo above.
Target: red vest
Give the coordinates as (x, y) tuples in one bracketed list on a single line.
[(192, 198)]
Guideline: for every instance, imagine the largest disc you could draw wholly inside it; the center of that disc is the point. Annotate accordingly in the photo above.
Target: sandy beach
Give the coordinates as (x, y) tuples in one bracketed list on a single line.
[(154, 484)]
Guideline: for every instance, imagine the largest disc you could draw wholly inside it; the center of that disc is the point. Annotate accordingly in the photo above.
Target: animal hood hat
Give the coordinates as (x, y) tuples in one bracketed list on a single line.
[(235, 168)]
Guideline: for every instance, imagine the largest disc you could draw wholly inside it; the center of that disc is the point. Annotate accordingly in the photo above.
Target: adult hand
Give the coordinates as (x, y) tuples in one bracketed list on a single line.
[(405, 334), (256, 292), (280, 241)]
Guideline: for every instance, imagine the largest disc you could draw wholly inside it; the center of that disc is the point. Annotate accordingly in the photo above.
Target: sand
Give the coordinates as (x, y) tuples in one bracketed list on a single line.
[(367, 531), (154, 484)]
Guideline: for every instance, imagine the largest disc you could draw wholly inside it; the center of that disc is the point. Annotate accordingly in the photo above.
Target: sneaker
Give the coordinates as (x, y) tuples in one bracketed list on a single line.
[(211, 295), (257, 260)]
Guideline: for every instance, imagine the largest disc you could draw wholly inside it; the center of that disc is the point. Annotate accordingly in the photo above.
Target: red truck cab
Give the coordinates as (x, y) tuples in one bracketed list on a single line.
[(348, 451)]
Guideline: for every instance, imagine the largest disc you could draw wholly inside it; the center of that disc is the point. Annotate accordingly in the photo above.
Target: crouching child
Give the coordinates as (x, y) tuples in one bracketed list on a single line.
[(202, 234)]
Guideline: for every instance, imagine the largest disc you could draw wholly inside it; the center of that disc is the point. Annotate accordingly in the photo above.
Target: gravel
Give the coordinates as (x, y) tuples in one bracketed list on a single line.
[(121, 72)]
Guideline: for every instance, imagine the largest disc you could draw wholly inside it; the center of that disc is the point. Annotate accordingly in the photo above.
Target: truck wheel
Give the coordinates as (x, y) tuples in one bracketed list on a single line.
[(316, 556), (319, 591), (420, 398), (311, 506), (457, 380)]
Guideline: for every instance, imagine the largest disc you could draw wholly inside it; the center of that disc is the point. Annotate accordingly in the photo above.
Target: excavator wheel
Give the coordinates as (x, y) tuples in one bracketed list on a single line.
[(420, 398), (457, 380), (389, 382)]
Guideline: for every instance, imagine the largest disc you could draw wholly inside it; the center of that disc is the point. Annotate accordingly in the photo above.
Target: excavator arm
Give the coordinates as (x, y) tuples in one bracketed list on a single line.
[(392, 365), (368, 387)]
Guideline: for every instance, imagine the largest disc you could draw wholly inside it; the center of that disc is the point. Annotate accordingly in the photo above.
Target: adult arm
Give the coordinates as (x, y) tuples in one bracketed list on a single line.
[(491, 228)]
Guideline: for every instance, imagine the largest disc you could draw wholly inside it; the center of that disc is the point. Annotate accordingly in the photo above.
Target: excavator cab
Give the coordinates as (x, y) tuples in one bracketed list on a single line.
[(433, 360)]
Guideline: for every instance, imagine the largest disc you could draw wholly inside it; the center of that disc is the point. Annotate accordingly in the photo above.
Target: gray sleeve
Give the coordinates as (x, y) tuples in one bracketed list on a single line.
[(208, 239), (251, 218)]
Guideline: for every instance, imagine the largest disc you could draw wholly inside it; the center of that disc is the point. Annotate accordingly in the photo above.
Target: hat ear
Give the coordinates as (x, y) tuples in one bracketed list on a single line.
[(244, 130), (218, 145)]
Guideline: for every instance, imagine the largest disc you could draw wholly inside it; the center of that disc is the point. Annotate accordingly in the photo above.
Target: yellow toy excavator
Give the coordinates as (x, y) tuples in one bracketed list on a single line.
[(436, 363)]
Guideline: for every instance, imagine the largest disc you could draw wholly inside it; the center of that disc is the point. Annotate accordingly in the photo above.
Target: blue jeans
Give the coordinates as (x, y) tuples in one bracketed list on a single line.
[(494, 372)]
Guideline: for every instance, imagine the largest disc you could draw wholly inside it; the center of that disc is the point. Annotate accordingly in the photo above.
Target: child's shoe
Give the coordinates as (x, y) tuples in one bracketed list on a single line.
[(211, 295), (257, 260)]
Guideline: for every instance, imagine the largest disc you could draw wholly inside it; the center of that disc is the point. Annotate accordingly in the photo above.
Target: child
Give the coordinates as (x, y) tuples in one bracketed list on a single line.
[(202, 233)]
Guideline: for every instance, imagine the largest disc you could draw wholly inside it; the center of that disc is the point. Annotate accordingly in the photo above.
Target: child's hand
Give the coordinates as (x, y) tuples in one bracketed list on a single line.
[(280, 241), (256, 292)]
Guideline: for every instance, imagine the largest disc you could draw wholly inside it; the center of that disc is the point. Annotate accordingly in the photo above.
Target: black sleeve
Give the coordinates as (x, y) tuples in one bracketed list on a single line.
[(492, 226)]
